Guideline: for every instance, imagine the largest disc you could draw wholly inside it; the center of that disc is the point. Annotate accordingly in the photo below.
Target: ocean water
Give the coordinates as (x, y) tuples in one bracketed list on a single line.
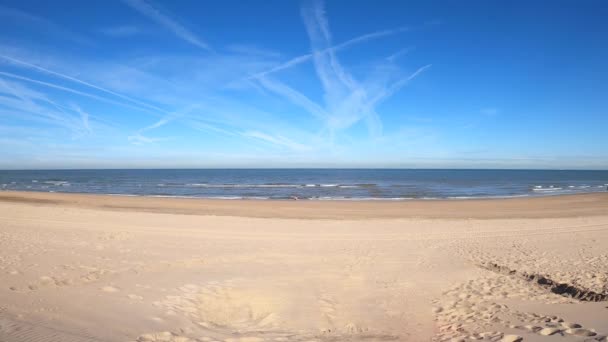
[(313, 184)]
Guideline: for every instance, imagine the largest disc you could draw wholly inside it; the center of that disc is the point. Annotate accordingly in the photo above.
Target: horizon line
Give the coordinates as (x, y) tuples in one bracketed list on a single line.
[(310, 168)]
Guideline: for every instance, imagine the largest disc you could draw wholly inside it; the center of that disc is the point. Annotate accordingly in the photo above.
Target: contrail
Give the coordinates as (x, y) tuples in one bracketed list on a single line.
[(74, 79), (303, 58), (70, 90)]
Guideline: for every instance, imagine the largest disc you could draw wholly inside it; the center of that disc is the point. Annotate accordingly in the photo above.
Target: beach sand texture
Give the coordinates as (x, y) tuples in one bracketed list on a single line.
[(107, 268)]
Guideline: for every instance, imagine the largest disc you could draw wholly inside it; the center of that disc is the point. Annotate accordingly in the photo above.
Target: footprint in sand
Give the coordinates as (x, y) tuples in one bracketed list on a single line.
[(580, 332), (512, 338), (549, 331)]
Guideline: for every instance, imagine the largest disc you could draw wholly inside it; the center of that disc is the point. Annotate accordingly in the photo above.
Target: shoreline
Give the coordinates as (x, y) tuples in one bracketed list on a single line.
[(565, 205)]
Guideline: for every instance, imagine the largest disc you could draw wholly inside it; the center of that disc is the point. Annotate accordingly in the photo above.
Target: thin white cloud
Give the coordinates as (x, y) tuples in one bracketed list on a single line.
[(402, 52), (74, 79), (145, 8), (84, 116), (307, 57), (384, 94), (70, 90), (277, 140), (330, 72), (165, 120), (186, 118), (28, 105), (138, 139), (346, 100), (293, 96), (201, 125), (235, 115)]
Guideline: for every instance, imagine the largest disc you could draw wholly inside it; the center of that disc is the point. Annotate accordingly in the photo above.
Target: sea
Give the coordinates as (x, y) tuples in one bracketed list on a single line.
[(310, 184)]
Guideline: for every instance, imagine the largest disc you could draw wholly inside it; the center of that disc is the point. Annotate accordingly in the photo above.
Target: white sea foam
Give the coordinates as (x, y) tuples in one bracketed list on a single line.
[(212, 197), (169, 196), (275, 186), (344, 186), (483, 197), (566, 189), (224, 197), (205, 185), (339, 198), (58, 183)]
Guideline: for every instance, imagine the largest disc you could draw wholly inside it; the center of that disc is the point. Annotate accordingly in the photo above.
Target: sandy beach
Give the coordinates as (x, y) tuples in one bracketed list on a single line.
[(110, 268)]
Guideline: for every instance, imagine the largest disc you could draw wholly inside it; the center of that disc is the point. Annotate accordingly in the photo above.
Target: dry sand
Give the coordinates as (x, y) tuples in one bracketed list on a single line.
[(102, 268)]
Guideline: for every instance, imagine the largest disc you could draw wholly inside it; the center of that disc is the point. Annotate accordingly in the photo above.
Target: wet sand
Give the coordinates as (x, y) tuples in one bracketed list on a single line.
[(522, 207)]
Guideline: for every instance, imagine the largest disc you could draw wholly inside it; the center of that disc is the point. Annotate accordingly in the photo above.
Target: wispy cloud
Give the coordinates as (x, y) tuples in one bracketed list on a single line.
[(138, 139), (188, 93), (277, 140), (26, 104), (84, 116), (393, 88), (307, 57), (346, 100), (402, 52), (293, 96), (152, 12), (74, 79), (70, 90)]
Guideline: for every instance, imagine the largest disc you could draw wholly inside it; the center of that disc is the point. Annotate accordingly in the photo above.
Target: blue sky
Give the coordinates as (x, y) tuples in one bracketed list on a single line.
[(138, 83)]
